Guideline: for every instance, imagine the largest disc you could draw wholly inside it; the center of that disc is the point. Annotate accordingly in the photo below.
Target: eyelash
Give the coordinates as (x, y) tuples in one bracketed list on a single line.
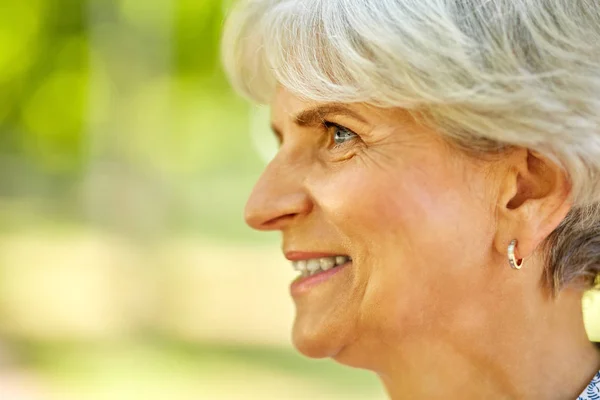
[(329, 125)]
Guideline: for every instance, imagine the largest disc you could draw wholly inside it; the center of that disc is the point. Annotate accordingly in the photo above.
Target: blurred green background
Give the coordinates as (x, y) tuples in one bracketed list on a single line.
[(126, 269)]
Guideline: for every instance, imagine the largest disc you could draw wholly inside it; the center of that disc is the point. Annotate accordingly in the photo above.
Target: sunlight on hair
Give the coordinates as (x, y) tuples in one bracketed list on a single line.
[(485, 74), (523, 73)]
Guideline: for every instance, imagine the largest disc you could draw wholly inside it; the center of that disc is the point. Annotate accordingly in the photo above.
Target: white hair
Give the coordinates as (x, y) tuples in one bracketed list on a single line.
[(488, 74)]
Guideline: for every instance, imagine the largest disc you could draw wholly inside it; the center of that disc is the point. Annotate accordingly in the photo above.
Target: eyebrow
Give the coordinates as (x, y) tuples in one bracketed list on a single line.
[(315, 116)]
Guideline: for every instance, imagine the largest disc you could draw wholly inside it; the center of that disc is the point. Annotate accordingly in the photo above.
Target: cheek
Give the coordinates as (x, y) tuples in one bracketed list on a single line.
[(410, 227), (405, 205)]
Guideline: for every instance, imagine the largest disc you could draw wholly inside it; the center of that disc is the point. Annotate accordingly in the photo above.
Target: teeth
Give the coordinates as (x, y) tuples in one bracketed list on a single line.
[(300, 265), (339, 260), (313, 266), (316, 265), (327, 263)]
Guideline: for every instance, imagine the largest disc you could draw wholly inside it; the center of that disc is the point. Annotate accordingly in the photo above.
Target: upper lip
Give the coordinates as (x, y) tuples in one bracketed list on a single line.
[(306, 255)]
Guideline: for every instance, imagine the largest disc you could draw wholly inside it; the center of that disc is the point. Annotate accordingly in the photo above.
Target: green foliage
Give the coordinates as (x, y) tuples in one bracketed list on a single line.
[(43, 81), (51, 53), (198, 26), (106, 102)]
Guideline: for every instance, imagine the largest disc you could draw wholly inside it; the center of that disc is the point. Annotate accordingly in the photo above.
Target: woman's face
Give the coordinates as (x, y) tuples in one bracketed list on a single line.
[(415, 216)]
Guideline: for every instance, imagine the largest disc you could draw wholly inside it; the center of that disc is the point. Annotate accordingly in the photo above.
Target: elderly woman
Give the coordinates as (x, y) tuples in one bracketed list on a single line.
[(437, 185)]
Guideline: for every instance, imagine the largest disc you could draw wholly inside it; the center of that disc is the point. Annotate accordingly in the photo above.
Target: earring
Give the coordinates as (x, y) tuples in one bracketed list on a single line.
[(512, 260)]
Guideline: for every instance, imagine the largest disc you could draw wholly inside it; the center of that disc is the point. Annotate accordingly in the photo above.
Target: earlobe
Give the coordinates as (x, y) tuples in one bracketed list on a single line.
[(534, 198)]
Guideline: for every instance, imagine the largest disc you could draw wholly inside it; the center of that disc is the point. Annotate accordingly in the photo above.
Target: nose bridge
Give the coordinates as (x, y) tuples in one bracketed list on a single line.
[(279, 195)]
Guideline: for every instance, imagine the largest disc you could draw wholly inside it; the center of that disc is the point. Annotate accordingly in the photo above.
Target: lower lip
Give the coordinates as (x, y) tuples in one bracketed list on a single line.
[(304, 284)]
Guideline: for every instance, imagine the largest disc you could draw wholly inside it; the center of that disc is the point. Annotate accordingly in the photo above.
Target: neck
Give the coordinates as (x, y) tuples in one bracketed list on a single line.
[(537, 348)]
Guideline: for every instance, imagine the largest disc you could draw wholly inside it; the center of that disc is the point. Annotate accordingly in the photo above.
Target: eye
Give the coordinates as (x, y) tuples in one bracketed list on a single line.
[(340, 134)]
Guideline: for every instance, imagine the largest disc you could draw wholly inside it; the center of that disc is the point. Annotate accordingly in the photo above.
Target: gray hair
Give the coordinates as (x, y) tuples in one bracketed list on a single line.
[(488, 74)]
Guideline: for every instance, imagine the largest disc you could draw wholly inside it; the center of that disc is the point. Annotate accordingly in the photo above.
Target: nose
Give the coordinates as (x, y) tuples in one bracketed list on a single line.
[(278, 198)]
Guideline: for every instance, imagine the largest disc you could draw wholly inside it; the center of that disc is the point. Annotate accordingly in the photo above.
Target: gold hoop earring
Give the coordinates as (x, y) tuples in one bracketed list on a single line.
[(512, 260)]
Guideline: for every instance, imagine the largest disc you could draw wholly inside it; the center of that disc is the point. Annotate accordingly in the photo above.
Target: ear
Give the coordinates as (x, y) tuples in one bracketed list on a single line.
[(534, 197)]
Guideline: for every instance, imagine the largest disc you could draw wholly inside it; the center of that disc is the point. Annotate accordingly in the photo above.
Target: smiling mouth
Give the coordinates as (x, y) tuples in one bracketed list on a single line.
[(315, 266)]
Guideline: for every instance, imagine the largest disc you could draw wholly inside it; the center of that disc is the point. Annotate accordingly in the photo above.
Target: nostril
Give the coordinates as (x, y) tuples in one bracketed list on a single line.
[(267, 221), (272, 205), (278, 222), (275, 212)]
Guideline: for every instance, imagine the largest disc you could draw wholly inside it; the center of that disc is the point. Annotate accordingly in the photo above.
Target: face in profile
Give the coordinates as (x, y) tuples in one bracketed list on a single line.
[(375, 211)]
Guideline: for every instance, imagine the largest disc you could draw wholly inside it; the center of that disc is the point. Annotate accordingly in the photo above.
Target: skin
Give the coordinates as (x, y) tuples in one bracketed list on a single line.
[(429, 301)]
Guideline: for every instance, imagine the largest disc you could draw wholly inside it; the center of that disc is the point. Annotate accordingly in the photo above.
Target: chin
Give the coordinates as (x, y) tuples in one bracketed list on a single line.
[(316, 341), (317, 344)]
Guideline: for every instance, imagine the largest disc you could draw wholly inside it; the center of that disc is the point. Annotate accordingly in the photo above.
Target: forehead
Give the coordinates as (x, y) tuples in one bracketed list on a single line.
[(285, 106)]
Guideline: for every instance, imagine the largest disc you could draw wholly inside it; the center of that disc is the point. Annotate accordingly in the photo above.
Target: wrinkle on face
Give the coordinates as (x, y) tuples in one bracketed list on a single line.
[(420, 219), (397, 206)]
